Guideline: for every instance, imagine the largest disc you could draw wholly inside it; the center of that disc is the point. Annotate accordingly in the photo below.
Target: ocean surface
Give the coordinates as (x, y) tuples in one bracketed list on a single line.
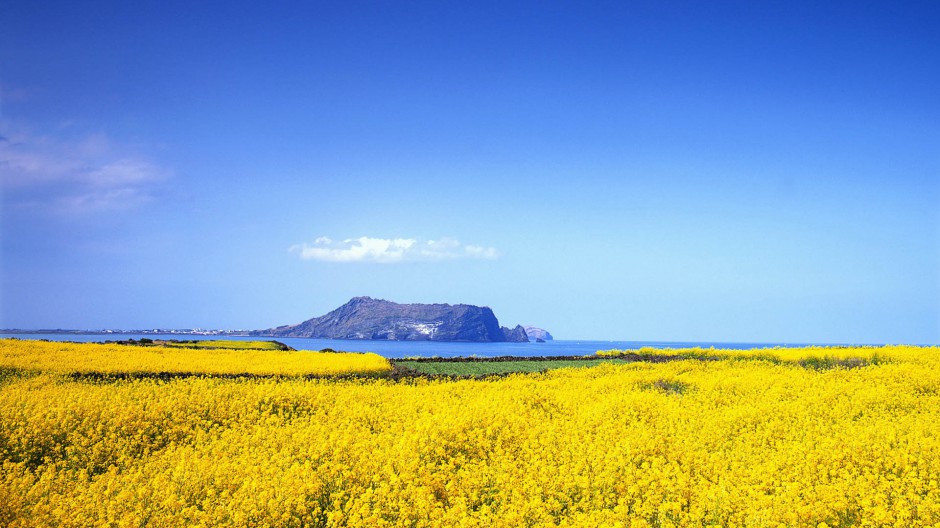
[(402, 349)]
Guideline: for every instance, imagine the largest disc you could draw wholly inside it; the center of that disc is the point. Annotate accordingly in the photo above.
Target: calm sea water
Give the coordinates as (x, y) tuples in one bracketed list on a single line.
[(400, 349)]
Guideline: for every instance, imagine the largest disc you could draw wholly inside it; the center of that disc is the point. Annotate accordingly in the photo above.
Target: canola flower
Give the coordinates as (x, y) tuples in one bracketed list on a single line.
[(749, 442), (79, 358), (808, 355)]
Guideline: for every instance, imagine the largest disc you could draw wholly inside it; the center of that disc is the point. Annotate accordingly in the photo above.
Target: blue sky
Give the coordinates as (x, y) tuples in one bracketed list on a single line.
[(623, 170)]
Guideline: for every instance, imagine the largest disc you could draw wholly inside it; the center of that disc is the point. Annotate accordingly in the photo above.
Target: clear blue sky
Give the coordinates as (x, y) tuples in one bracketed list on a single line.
[(626, 170)]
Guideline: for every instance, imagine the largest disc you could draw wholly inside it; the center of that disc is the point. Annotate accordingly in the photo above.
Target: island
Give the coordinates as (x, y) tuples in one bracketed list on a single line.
[(368, 318), (539, 335)]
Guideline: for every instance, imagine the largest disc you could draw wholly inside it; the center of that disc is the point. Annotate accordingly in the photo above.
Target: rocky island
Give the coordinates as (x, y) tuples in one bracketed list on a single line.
[(537, 334), (368, 318)]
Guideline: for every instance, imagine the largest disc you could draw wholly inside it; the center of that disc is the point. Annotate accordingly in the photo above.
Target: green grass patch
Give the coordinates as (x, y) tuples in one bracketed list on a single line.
[(12, 374), (485, 368), (669, 386)]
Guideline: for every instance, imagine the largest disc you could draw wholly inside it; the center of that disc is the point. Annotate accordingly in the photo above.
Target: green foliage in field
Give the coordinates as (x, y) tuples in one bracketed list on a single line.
[(226, 344), (483, 368)]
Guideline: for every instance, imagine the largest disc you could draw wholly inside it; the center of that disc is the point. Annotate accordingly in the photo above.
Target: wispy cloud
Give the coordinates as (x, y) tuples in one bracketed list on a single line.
[(389, 250), (67, 173)]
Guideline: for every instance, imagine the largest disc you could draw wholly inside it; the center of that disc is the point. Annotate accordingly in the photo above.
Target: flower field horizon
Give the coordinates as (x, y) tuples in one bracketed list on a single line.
[(743, 441), (115, 359)]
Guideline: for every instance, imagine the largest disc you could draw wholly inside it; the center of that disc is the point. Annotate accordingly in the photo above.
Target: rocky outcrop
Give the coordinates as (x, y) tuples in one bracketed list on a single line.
[(516, 335), (368, 318), (535, 333)]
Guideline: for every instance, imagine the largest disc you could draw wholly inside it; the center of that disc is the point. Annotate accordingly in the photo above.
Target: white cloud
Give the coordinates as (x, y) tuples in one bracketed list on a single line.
[(107, 200), (123, 172), (66, 173), (358, 249), (481, 252), (389, 250)]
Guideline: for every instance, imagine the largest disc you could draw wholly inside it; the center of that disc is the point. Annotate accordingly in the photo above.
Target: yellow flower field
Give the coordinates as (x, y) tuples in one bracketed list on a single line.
[(807, 354), (68, 358), (748, 442)]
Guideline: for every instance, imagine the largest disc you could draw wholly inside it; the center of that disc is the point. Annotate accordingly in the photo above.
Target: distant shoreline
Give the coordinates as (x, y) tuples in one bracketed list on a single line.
[(232, 333), (248, 333)]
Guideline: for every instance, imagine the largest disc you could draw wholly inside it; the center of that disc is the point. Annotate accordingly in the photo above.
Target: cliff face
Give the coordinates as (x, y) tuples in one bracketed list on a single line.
[(535, 332), (516, 335), (367, 318)]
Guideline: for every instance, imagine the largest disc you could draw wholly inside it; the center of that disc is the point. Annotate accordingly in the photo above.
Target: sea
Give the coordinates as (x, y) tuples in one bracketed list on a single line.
[(405, 349)]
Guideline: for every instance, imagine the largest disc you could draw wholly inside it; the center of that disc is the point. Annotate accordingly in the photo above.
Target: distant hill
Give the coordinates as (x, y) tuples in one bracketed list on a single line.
[(535, 332), (368, 318)]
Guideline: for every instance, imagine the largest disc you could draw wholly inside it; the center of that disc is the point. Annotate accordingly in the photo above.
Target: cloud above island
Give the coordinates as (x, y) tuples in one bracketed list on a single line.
[(391, 250)]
